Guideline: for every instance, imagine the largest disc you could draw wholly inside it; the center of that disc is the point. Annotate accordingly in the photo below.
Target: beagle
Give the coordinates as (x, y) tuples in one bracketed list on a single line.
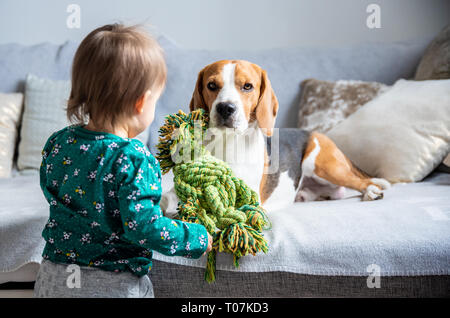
[(283, 165)]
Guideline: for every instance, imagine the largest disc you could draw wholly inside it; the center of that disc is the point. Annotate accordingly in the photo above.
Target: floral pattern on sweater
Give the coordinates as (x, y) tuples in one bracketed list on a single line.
[(103, 193)]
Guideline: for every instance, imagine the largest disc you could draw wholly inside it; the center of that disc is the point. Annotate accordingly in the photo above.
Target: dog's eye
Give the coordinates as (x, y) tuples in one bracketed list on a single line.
[(211, 86), (247, 87)]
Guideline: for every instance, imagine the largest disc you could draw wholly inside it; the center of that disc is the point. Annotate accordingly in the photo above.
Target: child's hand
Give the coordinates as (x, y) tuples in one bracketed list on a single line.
[(210, 241)]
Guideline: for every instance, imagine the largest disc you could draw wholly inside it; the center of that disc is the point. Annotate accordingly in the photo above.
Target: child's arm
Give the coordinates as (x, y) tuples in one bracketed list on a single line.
[(44, 170), (142, 218)]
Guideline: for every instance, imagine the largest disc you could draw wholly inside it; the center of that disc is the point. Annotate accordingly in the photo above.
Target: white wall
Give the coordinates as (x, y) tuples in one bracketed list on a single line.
[(243, 24)]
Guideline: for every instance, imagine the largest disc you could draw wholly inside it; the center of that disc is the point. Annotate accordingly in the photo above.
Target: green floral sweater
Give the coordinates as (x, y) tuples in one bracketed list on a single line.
[(104, 194)]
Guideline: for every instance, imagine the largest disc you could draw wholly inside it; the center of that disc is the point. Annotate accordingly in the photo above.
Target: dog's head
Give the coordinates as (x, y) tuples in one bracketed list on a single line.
[(236, 93)]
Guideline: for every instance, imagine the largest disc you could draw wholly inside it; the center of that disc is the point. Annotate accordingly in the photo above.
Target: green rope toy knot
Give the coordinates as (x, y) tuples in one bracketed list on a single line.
[(209, 192)]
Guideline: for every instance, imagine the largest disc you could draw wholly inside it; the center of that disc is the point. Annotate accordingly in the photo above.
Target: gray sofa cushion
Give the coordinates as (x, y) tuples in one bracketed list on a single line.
[(44, 60)]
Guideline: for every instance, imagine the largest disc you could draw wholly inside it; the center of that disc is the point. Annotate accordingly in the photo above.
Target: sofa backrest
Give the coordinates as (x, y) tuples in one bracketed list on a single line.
[(44, 60), (286, 68)]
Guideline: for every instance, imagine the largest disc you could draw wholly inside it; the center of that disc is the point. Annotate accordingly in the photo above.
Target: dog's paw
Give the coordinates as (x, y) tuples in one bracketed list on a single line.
[(372, 193), (382, 183), (375, 190)]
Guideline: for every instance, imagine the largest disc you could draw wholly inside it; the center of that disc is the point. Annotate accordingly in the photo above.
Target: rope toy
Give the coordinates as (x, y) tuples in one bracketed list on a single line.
[(209, 192)]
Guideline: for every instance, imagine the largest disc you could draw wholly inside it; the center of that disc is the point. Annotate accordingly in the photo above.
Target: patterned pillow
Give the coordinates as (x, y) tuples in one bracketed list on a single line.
[(435, 63), (44, 113), (325, 104), (10, 111)]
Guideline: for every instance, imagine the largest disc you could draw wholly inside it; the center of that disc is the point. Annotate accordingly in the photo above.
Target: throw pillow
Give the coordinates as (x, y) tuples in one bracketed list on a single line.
[(324, 104), (447, 161), (445, 165), (435, 63), (10, 111), (44, 113), (401, 135)]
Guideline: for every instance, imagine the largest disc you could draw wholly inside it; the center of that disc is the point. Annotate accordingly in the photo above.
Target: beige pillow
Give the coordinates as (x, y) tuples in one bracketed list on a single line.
[(325, 104), (44, 113), (435, 63), (401, 135), (10, 111)]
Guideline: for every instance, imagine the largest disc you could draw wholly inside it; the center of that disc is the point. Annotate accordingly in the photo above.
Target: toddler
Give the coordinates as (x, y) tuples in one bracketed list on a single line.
[(103, 187)]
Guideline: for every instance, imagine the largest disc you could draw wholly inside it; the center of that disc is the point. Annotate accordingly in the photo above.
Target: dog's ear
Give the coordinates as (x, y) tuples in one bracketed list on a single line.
[(197, 100), (267, 107)]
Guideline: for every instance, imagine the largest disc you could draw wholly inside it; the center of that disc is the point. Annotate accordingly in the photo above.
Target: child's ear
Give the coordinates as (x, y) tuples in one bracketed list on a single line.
[(142, 101)]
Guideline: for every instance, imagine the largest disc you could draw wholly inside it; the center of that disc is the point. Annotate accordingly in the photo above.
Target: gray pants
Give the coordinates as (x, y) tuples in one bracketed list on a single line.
[(64, 280)]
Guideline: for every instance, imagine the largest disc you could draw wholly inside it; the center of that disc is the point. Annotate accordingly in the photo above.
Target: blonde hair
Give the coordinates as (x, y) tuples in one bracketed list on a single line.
[(112, 69)]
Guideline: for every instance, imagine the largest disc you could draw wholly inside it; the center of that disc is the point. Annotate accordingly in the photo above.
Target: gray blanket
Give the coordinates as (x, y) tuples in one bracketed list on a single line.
[(405, 234), (23, 214)]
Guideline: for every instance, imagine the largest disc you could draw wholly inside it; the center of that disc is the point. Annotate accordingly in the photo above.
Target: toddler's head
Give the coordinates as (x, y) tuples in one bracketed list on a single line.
[(118, 74)]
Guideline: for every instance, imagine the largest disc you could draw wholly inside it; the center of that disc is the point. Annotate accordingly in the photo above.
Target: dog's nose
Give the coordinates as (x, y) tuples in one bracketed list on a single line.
[(225, 109)]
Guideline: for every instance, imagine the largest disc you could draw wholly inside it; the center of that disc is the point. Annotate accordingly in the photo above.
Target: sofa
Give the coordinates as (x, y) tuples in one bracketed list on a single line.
[(395, 247)]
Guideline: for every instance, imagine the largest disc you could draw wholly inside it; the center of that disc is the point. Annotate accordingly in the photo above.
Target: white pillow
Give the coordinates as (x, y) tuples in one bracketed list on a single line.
[(10, 111), (401, 135), (44, 113)]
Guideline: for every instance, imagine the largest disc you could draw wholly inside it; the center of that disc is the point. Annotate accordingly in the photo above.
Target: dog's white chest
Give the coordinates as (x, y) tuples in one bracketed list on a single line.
[(242, 151)]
